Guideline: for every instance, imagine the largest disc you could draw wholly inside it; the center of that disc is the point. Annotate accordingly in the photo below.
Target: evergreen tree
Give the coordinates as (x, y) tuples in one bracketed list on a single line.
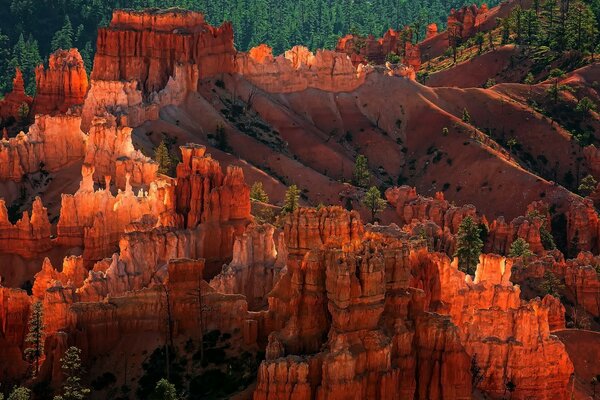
[(164, 390), (468, 245), (35, 337), (6, 72), (479, 41), (361, 176), (520, 248), (162, 157), (292, 199), (466, 117), (551, 285), (373, 202), (555, 89), (257, 193), (19, 393), (547, 239), (86, 55), (63, 38), (585, 105), (26, 56), (222, 143), (71, 367), (587, 185)]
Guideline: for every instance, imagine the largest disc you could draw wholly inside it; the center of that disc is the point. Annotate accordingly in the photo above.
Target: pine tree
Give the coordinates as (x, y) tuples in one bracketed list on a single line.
[(361, 176), (373, 202), (291, 201), (35, 337), (585, 105), (551, 285), (163, 158), (6, 71), (587, 185), (71, 367), (547, 239), (466, 117), (257, 193), (519, 248), (63, 38), (18, 393), (468, 245), (164, 390)]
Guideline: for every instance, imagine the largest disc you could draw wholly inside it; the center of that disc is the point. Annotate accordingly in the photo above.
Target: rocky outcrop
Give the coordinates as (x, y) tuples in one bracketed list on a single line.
[(495, 324), (146, 47), (349, 322), (52, 143), (410, 206), (582, 227), (368, 49), (111, 152), (14, 315), (299, 69), (205, 194), (29, 236), (128, 103), (97, 219), (431, 31), (63, 85), (257, 265), (73, 274), (582, 278), (464, 22), (11, 106)]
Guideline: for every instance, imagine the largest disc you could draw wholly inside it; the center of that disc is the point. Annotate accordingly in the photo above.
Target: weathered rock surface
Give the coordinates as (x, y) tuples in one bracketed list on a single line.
[(147, 46), (110, 150), (369, 49), (12, 102), (97, 219), (349, 322), (299, 69), (256, 266), (51, 143), (29, 236), (63, 85)]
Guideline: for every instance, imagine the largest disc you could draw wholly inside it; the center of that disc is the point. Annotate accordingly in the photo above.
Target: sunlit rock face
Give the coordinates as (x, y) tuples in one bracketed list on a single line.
[(147, 47), (63, 85)]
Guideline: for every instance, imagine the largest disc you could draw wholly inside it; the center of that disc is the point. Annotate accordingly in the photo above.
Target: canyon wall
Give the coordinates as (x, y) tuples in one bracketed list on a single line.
[(362, 316), (146, 47)]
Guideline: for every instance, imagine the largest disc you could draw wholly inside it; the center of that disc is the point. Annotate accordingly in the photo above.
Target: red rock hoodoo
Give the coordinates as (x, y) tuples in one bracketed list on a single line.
[(63, 85), (11, 106)]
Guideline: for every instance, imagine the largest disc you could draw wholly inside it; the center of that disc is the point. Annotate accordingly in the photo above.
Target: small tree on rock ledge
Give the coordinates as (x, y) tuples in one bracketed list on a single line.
[(373, 202), (468, 246)]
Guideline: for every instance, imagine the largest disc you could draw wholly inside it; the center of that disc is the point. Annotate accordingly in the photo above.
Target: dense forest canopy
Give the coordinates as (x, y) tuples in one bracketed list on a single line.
[(31, 29)]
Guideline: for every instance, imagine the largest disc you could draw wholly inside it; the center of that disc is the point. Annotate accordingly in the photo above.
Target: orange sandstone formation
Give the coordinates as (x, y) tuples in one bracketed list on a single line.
[(110, 150), (63, 85), (299, 69), (348, 322), (12, 103), (432, 30), (463, 23), (96, 219), (164, 40), (369, 49), (51, 143), (29, 236), (256, 266)]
